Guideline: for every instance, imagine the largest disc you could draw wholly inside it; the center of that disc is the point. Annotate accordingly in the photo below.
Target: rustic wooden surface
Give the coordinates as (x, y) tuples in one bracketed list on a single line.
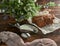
[(5, 27)]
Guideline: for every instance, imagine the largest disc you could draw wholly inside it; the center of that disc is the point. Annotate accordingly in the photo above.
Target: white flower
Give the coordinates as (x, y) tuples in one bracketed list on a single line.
[(35, 0), (19, 1)]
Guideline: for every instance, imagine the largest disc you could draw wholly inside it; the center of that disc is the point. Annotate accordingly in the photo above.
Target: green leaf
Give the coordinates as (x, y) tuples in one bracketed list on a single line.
[(24, 8)]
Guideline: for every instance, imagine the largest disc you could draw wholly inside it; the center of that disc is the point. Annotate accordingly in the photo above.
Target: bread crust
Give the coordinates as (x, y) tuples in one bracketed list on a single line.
[(43, 20)]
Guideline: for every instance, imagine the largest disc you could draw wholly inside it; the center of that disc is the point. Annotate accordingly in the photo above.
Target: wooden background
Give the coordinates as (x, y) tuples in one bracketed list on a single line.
[(56, 8)]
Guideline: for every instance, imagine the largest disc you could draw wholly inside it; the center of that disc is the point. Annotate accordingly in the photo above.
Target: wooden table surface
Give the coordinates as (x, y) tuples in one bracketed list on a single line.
[(54, 36), (5, 27)]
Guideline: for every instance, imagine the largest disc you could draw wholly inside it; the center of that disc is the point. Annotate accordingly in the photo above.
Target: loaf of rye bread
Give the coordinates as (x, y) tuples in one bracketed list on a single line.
[(43, 20)]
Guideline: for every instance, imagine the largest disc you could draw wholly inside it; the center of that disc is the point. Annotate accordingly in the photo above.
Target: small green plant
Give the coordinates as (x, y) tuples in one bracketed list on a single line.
[(20, 9)]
